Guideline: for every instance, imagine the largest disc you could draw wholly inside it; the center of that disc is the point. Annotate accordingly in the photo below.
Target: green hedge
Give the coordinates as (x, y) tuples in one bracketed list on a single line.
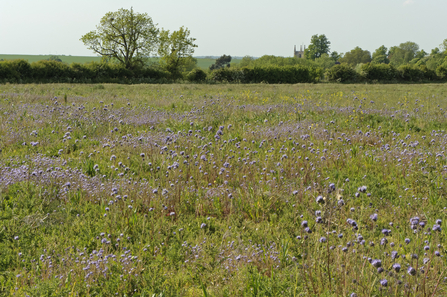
[(384, 73), (196, 75), (20, 71), (380, 72), (268, 74), (342, 73)]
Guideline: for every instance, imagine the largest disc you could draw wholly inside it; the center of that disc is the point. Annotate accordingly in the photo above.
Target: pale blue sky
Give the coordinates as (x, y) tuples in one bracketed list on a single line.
[(232, 27)]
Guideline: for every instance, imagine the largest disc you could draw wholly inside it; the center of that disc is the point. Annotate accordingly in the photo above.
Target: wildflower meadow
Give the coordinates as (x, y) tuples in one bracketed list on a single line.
[(223, 190)]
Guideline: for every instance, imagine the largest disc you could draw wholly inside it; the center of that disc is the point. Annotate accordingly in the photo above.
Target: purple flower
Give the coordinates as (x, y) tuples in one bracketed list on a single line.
[(407, 240), (203, 225), (16, 238), (436, 227), (396, 267), (323, 239), (331, 187), (394, 255), (376, 263), (414, 221), (362, 189), (386, 232), (374, 217), (411, 271), (384, 283), (304, 224), (320, 199)]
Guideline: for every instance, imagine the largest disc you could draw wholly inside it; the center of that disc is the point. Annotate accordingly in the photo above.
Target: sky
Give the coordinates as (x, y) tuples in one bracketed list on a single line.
[(231, 27)]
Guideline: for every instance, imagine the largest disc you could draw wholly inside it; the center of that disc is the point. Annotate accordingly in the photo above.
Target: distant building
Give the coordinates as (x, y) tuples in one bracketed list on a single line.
[(299, 54)]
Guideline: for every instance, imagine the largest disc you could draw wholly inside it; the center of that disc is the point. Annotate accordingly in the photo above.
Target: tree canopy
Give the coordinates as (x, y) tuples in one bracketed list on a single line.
[(443, 45), (222, 61), (356, 56), (123, 35), (176, 50), (319, 45), (380, 56), (403, 53)]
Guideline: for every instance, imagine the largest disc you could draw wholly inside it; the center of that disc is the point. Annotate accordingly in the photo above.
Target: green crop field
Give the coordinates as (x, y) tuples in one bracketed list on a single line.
[(203, 63), (65, 59), (223, 190)]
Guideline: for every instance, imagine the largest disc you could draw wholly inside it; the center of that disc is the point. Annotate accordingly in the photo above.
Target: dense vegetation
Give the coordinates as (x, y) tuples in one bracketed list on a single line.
[(223, 190), (51, 71)]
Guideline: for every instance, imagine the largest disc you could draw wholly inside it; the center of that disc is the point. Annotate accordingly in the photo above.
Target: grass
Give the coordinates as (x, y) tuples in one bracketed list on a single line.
[(66, 59), (222, 190)]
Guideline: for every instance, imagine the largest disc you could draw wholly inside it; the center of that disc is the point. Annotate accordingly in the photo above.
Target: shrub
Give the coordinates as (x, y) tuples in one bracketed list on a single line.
[(380, 72), (196, 75), (428, 73), (14, 70), (410, 73), (341, 73), (268, 74), (441, 70), (278, 75), (45, 69), (227, 75)]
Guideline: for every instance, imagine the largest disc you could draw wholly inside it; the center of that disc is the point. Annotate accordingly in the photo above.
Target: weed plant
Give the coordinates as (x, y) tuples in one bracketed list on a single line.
[(223, 190)]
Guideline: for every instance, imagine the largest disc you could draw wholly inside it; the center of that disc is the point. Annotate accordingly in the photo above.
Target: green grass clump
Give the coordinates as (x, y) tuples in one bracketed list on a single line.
[(222, 190)]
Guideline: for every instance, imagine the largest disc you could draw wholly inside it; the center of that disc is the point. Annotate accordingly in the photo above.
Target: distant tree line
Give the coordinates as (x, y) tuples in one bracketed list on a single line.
[(405, 62), (126, 40)]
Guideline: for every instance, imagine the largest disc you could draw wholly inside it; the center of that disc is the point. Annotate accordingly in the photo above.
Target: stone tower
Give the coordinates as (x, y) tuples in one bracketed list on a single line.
[(299, 54)]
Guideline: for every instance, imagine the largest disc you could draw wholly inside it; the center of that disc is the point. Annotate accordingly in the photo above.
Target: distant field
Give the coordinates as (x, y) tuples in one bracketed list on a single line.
[(201, 62), (66, 59)]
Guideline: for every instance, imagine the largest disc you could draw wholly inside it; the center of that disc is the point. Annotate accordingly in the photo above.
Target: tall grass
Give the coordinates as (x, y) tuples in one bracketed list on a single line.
[(222, 190)]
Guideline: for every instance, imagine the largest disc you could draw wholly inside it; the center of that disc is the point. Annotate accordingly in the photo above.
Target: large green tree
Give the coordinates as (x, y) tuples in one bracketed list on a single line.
[(380, 56), (125, 36), (356, 56), (175, 50), (319, 45), (403, 53)]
